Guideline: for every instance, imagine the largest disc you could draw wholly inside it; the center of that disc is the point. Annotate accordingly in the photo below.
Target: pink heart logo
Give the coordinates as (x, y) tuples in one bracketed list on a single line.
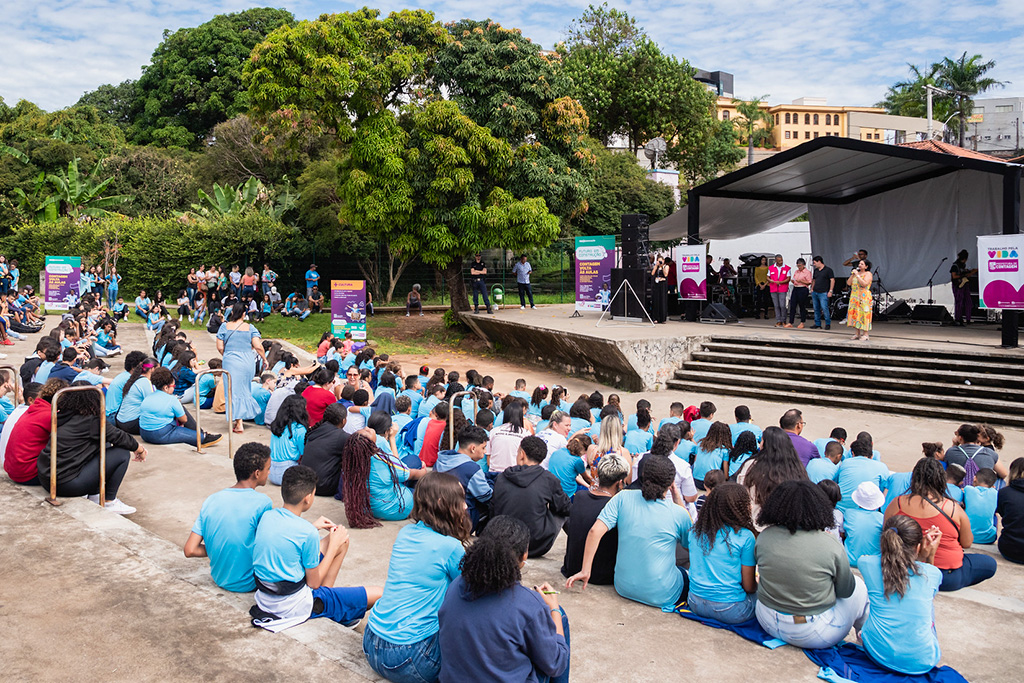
[(691, 290), (1001, 294), (991, 254)]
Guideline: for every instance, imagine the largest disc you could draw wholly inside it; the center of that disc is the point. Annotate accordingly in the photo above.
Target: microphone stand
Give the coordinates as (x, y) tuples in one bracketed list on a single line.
[(934, 272)]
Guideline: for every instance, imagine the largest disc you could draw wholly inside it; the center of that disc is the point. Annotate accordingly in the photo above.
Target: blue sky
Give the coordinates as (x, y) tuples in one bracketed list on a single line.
[(845, 50)]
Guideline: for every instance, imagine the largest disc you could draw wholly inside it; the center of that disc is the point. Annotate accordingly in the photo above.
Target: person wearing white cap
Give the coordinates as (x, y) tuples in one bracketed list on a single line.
[(275, 299), (864, 522)]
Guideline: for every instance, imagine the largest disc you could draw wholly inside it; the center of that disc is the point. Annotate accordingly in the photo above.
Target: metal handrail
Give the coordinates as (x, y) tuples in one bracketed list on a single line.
[(227, 402), (52, 500), (17, 383), (451, 411)]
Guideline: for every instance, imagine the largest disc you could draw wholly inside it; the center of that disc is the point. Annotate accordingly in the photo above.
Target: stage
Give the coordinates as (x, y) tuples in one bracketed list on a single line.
[(637, 357)]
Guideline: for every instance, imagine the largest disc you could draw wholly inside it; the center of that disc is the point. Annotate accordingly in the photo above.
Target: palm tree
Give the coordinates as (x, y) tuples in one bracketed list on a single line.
[(749, 115), (907, 98), (964, 78)]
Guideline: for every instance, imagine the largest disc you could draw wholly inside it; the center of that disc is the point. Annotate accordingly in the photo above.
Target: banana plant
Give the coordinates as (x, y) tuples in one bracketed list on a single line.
[(81, 195), (16, 153), (252, 195), (41, 205)]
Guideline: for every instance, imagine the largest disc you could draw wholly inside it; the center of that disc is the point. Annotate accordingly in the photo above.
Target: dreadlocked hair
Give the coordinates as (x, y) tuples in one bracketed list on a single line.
[(355, 473), (726, 507), (491, 564), (900, 537)]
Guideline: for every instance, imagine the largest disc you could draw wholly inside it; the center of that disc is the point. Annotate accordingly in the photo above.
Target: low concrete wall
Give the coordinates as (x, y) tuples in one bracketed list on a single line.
[(631, 364)]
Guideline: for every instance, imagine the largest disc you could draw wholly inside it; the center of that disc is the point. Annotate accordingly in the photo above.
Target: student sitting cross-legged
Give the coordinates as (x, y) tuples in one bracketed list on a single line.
[(163, 420), (226, 527), (295, 569), (401, 638)]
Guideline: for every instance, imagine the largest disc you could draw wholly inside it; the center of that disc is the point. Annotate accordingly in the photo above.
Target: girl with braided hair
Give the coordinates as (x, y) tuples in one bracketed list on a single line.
[(355, 472), (902, 582), (376, 480), (722, 563)]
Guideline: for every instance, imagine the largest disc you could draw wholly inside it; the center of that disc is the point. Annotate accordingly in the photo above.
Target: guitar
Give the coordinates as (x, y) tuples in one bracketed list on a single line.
[(964, 277)]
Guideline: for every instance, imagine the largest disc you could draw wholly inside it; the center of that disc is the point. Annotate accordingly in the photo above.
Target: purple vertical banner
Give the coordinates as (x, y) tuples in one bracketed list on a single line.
[(691, 271), (595, 258), (63, 274), (348, 308)]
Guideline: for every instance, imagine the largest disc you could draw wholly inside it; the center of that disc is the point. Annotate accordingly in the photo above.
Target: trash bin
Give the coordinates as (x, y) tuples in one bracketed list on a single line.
[(497, 295)]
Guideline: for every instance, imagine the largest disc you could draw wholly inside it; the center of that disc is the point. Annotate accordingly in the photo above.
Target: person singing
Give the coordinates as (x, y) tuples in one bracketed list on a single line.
[(960, 275), (659, 300), (859, 315)]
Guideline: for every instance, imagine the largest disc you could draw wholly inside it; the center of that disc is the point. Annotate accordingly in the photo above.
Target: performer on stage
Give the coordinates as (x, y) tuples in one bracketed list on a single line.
[(861, 302), (960, 276), (852, 262), (659, 302), (762, 297)]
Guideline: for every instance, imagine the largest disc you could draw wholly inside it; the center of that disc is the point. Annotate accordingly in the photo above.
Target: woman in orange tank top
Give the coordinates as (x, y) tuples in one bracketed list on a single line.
[(927, 505)]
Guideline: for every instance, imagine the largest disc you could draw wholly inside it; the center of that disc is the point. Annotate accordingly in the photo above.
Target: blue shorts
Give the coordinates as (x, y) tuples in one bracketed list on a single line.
[(343, 605)]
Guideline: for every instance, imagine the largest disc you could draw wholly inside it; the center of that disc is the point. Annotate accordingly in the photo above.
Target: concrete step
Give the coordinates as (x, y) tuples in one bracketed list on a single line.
[(790, 393), (955, 382), (731, 382)]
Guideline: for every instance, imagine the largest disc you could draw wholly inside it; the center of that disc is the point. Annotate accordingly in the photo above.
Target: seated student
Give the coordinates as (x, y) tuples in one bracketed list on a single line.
[(381, 425), (838, 435), (414, 392), (119, 311), (401, 640), (538, 400), (831, 491), (723, 585), (143, 304), (184, 372), (520, 390), (967, 448), (11, 416), (570, 464), (90, 373), (154, 320), (287, 437), (464, 465), (825, 467), (863, 523), (675, 415), (65, 368), (32, 363), (687, 449), (900, 630), (866, 438), (1010, 508), (665, 446), (579, 415), (714, 478), (744, 448), (607, 411), (701, 425), (980, 502), (491, 626), (743, 424), (226, 527), (325, 443), (29, 435), (380, 475), (358, 411), (295, 570), (413, 301), (533, 495), (640, 438), (650, 527), (433, 431), (586, 507), (858, 469), (320, 393), (712, 452), (631, 422), (106, 341), (261, 392), (163, 420)]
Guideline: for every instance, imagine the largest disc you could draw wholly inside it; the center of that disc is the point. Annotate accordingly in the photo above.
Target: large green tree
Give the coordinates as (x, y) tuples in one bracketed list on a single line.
[(700, 163), (116, 104), (194, 79), (621, 186)]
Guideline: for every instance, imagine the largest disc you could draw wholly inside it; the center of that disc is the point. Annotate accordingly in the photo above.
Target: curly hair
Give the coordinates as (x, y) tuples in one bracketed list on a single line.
[(665, 443), (658, 475), (440, 502), (726, 507), (248, 458), (746, 443), (355, 474), (491, 565), (52, 386), (797, 506), (928, 480), (775, 463), (719, 436)]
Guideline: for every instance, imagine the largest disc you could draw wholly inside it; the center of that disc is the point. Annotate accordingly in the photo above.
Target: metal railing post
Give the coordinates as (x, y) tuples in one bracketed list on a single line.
[(17, 382), (52, 500), (451, 411), (227, 402)]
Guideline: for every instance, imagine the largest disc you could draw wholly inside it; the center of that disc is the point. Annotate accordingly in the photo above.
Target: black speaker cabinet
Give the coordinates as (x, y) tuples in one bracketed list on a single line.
[(635, 237), (624, 305), (929, 314), (718, 313), (900, 310)]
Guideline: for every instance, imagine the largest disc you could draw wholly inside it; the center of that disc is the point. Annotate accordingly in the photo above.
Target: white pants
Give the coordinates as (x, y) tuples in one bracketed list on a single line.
[(820, 630)]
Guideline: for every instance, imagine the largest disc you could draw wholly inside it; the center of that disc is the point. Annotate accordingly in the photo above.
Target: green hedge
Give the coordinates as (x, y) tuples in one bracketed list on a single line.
[(156, 253)]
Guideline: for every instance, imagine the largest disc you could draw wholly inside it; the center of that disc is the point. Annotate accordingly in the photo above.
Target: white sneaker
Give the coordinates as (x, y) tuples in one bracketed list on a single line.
[(3, 355), (522, 308), (421, 314), (532, 307), (406, 315), (119, 508)]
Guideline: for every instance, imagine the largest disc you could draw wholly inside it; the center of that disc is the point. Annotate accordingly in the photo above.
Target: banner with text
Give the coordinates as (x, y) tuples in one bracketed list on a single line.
[(348, 308), (691, 272), (1000, 276), (62, 282), (595, 258)]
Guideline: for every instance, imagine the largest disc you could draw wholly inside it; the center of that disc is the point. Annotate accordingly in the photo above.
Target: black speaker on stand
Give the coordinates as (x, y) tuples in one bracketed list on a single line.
[(626, 304), (635, 241)]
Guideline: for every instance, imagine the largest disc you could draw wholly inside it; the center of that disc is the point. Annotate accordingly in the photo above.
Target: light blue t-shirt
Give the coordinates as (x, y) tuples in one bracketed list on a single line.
[(853, 472), (42, 372), (741, 427), (685, 449), (637, 442), (718, 575), (535, 408), (578, 423), (875, 455), (631, 425), (899, 484), (821, 468), (289, 445), (700, 427), (90, 377), (114, 392), (706, 461), (954, 492), (427, 405), (262, 396), (158, 410), (423, 563), (285, 547), (863, 533), (227, 522), (820, 444), (416, 398), (566, 467), (980, 504), (389, 500), (312, 277), (645, 563), (738, 463), (207, 385), (131, 404), (900, 632)]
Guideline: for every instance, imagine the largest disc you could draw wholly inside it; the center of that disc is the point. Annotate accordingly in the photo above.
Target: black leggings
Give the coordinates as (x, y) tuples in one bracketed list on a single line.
[(88, 480), (798, 300)]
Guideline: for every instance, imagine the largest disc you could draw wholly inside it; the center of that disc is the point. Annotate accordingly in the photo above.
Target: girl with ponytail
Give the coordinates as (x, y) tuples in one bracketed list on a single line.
[(902, 582)]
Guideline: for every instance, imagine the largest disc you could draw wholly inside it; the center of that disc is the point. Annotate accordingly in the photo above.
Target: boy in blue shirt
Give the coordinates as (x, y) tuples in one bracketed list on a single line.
[(838, 434), (675, 415), (743, 424), (825, 467), (863, 522), (414, 392), (703, 424), (226, 527), (120, 309), (295, 569), (980, 504)]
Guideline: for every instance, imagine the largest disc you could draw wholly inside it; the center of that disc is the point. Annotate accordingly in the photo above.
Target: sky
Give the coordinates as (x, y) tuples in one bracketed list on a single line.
[(847, 51)]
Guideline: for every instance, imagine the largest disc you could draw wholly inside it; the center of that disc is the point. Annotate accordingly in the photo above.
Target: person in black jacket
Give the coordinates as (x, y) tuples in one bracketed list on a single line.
[(533, 495), (47, 348), (1010, 508), (78, 452), (322, 453)]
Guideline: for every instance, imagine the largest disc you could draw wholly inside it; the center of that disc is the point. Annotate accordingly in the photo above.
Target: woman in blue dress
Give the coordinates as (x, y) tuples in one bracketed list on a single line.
[(240, 344)]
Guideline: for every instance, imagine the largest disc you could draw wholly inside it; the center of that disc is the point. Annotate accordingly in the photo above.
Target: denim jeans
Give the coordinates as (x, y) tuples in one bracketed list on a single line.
[(525, 290), (410, 663), (480, 290), (277, 470), (112, 296), (172, 433), (819, 630), (821, 301), (779, 303), (975, 569), (102, 351), (725, 612)]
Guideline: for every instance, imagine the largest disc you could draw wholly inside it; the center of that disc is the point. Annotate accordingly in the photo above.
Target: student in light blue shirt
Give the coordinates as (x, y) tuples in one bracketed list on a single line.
[(538, 400), (142, 305), (675, 415), (137, 388), (650, 526), (116, 386), (712, 452), (261, 391), (639, 439), (631, 421), (860, 468), (866, 438), (837, 434), (430, 401), (721, 542), (702, 424), (743, 424), (899, 632), (863, 522), (162, 418), (226, 527), (570, 462), (825, 467), (287, 436), (743, 450), (687, 449), (980, 504), (520, 390), (400, 640), (414, 392)]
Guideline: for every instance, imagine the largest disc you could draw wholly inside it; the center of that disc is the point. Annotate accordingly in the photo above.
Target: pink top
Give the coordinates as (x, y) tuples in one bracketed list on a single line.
[(778, 273), (802, 278)]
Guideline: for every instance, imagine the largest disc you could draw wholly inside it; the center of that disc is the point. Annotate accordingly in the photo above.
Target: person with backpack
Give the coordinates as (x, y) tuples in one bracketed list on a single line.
[(968, 452)]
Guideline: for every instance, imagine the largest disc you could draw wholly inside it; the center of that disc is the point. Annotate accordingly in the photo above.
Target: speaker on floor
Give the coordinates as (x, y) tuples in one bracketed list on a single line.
[(899, 309), (718, 313), (625, 305), (931, 314)]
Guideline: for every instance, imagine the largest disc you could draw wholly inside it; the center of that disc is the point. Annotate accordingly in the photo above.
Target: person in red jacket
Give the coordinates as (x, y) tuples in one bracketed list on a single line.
[(30, 435), (433, 433)]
